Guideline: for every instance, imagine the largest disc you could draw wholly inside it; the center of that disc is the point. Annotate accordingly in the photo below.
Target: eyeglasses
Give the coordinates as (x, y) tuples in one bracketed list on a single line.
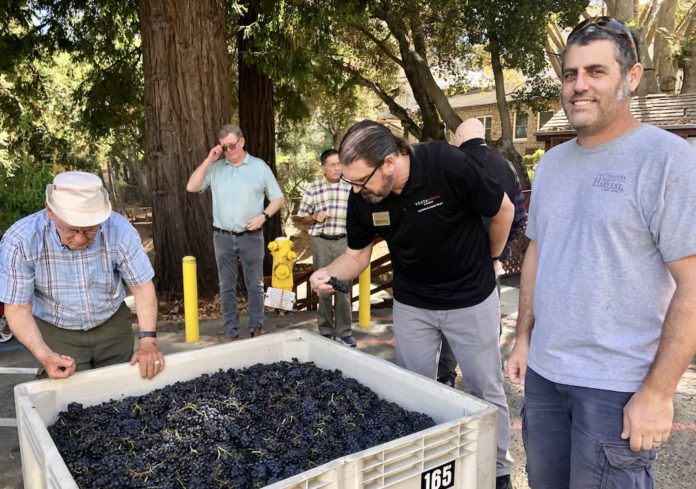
[(230, 147), (70, 232), (612, 25), (362, 185)]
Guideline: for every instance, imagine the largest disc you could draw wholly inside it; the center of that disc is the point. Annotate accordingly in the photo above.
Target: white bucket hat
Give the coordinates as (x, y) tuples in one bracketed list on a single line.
[(78, 198)]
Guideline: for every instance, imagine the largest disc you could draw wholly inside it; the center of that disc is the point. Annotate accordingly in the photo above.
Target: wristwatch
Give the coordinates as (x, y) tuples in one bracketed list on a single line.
[(147, 334), (266, 216)]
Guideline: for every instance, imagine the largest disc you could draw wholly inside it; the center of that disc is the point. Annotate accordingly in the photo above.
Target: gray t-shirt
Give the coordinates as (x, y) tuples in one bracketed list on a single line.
[(606, 219)]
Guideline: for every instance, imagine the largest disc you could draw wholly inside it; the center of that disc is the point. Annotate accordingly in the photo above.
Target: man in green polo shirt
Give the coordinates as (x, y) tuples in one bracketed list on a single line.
[(239, 182)]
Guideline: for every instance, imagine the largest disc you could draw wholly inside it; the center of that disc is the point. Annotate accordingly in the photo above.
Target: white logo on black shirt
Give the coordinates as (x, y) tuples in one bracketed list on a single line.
[(429, 203)]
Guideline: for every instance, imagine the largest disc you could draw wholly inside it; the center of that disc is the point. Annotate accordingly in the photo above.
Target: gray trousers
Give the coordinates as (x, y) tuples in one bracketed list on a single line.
[(228, 250), (447, 365), (472, 333), (334, 311)]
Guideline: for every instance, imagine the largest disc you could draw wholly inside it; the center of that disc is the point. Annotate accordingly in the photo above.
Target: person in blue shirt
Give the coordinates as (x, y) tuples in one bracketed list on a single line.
[(239, 182), (62, 272)]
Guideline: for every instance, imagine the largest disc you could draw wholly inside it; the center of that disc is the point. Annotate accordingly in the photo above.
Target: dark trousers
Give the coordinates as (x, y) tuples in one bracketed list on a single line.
[(108, 344)]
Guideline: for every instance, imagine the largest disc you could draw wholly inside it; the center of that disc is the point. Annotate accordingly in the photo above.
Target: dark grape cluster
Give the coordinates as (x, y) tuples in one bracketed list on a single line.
[(240, 428), (339, 285)]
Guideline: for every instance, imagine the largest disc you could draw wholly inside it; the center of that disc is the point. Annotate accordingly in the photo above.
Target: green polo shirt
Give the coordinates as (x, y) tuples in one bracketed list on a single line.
[(238, 191)]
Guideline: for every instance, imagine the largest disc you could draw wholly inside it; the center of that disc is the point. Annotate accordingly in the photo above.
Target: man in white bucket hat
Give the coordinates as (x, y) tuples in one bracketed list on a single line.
[(62, 271)]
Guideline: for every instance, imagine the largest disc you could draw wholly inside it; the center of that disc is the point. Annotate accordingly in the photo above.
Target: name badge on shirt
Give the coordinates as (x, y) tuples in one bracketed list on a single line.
[(380, 218)]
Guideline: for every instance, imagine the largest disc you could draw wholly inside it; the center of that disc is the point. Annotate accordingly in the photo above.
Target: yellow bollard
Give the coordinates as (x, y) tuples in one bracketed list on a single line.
[(190, 298), (364, 298)]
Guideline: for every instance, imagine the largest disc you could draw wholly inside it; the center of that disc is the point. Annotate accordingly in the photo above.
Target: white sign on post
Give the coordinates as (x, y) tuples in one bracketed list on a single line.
[(280, 299)]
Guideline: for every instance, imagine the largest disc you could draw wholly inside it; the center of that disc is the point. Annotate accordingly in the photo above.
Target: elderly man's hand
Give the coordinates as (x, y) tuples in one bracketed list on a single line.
[(149, 357), (59, 366), (256, 222), (215, 153)]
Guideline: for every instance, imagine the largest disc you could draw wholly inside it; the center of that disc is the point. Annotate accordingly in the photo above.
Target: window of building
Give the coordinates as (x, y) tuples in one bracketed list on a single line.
[(543, 118), (487, 122), (521, 119)]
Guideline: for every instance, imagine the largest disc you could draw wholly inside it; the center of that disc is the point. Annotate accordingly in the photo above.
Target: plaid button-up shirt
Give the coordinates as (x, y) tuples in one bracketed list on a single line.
[(332, 198), (520, 218), (71, 289)]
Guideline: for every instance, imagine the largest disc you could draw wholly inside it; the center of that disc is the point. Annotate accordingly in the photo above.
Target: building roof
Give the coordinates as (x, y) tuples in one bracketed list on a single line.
[(475, 98), (666, 111)]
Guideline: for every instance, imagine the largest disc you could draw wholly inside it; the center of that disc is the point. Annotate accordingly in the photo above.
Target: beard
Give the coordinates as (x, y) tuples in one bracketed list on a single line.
[(623, 92), (375, 197), (605, 110)]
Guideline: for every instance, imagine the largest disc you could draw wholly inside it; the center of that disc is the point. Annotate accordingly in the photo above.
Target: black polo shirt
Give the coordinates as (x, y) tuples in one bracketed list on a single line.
[(493, 164), (503, 171), (439, 247)]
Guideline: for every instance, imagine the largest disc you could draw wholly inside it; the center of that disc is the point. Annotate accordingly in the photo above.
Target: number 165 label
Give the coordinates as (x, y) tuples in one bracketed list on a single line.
[(440, 477)]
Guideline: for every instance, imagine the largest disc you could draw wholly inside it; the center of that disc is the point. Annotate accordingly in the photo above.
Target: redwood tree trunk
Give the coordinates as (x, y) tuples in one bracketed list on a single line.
[(187, 99), (257, 117)]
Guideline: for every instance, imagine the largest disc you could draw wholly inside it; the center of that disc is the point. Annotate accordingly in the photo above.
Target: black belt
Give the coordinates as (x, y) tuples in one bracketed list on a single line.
[(232, 233), (335, 237)]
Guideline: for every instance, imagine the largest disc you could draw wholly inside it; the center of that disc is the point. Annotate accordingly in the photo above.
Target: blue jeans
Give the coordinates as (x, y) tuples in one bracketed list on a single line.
[(249, 249), (572, 436)]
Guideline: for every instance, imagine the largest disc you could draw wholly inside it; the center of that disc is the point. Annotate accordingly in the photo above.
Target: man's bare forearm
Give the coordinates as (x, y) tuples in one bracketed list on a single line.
[(274, 206), (145, 305), (499, 228), (24, 328), (350, 264), (525, 312)]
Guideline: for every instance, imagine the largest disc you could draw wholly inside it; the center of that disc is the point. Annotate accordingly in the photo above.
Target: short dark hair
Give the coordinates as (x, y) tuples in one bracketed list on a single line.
[(622, 47), (326, 154), (371, 142)]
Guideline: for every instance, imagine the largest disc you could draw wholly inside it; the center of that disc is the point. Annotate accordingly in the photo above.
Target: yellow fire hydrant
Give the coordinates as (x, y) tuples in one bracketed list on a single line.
[(283, 261)]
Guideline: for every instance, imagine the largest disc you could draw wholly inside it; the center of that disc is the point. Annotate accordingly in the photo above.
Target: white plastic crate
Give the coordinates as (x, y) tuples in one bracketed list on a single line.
[(459, 452)]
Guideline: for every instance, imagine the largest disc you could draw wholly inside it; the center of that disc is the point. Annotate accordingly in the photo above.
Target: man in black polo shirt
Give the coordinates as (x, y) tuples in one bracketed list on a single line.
[(427, 202), (469, 138)]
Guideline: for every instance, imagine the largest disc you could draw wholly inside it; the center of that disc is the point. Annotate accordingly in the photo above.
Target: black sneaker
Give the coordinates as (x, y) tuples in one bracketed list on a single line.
[(503, 482), (447, 380)]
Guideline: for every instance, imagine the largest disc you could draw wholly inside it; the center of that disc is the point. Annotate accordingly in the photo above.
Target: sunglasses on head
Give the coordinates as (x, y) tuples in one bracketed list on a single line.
[(608, 24)]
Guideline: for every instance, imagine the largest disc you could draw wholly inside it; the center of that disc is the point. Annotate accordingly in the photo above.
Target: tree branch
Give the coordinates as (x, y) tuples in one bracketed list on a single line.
[(380, 44), (397, 110)]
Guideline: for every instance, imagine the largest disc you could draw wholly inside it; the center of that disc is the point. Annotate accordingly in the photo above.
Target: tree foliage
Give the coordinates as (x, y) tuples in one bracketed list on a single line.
[(39, 132), (666, 37), (72, 83)]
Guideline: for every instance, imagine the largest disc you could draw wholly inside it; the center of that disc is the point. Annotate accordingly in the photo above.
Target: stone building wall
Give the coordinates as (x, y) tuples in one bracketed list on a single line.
[(527, 146)]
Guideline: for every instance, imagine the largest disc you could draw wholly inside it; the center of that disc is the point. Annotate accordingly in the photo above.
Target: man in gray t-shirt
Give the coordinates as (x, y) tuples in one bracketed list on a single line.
[(607, 317)]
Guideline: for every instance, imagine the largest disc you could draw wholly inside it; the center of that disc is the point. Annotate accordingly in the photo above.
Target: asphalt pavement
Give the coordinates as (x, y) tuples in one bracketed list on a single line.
[(674, 468)]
